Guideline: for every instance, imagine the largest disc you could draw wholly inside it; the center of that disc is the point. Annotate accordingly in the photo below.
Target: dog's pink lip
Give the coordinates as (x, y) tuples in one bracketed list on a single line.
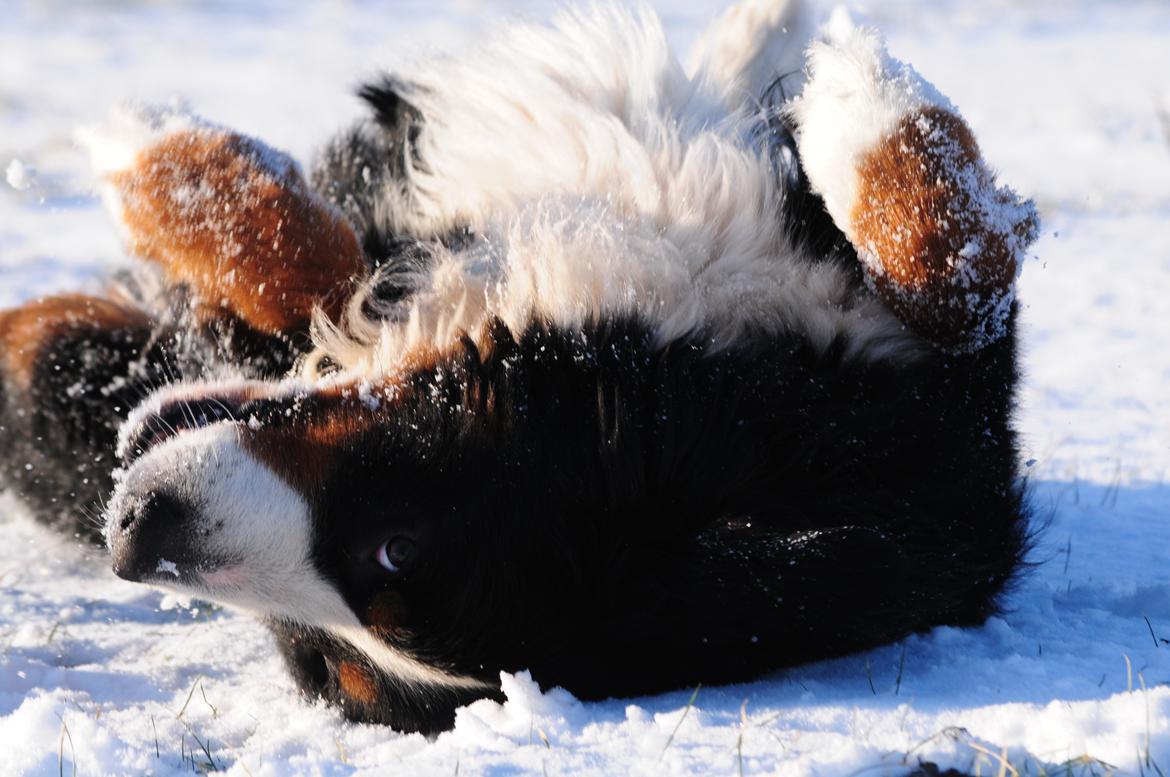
[(230, 576)]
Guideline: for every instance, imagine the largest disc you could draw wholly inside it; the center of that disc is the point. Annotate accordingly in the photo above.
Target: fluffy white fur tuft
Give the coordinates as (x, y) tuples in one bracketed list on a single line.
[(750, 45), (599, 178), (114, 144)]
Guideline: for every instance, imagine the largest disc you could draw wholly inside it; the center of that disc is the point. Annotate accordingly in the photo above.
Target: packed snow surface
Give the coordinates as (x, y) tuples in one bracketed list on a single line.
[(1070, 100)]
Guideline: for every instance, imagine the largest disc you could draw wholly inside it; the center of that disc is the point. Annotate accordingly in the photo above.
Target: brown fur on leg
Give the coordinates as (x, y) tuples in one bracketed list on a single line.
[(26, 332), (942, 243), (357, 683), (234, 221)]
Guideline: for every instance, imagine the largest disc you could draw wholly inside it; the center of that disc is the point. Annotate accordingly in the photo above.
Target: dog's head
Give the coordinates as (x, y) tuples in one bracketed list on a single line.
[(394, 515)]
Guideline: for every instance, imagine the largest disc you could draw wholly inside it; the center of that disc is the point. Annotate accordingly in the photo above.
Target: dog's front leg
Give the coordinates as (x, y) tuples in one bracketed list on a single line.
[(228, 220), (903, 178)]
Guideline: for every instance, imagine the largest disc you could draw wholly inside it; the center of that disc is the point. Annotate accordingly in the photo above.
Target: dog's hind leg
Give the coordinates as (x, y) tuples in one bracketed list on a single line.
[(231, 222), (902, 176), (71, 367)]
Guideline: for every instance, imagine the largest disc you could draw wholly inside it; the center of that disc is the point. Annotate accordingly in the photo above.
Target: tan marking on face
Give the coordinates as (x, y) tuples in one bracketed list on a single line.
[(28, 332), (301, 448), (357, 683), (303, 453), (236, 222), (387, 613), (916, 212)]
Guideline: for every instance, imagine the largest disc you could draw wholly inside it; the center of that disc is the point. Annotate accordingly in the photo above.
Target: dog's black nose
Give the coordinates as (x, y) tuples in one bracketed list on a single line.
[(151, 539)]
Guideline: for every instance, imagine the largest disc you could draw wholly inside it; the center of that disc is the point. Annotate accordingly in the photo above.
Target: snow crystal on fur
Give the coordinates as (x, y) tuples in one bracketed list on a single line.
[(115, 145)]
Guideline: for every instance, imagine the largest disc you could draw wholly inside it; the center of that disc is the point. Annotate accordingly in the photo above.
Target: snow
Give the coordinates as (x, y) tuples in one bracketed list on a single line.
[(1068, 100), (20, 176)]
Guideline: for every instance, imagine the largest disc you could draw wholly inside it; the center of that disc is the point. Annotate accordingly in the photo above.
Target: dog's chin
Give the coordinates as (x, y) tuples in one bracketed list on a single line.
[(232, 586), (220, 583)]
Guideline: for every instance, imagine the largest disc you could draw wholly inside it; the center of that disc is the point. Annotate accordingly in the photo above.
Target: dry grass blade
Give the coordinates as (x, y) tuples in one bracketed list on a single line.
[(61, 749), (1005, 766), (677, 726), (190, 694)]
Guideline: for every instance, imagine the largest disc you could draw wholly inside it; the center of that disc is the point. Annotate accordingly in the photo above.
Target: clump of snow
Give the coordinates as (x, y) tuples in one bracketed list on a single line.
[(20, 176), (168, 567)]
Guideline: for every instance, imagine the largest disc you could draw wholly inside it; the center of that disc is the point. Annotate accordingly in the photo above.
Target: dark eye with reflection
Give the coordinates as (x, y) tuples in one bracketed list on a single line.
[(394, 555)]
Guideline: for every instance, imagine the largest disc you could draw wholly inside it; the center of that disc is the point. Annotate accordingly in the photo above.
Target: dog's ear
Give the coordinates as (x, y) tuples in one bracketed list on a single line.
[(750, 46), (229, 218)]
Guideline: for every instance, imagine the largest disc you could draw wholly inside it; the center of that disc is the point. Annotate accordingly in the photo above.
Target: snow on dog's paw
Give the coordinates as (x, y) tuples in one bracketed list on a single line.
[(224, 214), (902, 177)]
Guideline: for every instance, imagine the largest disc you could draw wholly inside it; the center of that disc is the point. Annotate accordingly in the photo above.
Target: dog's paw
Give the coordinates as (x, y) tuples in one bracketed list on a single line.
[(224, 215), (902, 176)]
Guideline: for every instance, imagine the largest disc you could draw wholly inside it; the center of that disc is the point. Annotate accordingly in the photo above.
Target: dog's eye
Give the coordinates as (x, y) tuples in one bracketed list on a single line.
[(395, 554)]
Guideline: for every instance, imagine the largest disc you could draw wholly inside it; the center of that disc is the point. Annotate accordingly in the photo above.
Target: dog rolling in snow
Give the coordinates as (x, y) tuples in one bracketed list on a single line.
[(564, 359)]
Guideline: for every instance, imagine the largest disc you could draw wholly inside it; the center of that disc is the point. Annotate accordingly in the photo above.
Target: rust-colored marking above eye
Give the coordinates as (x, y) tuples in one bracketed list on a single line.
[(921, 212), (235, 221), (300, 444), (357, 683), (29, 332), (387, 613)]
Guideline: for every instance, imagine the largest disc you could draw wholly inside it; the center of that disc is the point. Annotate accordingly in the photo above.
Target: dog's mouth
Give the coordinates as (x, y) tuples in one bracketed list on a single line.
[(172, 419)]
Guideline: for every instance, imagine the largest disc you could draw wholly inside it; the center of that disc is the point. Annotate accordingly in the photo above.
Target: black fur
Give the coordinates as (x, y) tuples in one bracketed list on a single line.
[(59, 433), (313, 658), (356, 166), (808, 224), (623, 519)]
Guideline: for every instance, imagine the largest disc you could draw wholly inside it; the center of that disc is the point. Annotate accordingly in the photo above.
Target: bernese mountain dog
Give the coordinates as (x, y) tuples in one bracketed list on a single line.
[(566, 358)]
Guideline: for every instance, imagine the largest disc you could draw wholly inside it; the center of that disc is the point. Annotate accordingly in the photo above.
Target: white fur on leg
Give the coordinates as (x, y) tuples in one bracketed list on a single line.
[(751, 44), (131, 128), (855, 96)]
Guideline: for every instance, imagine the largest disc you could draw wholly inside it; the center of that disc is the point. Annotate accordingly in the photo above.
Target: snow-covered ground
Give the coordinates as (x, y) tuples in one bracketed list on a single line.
[(1071, 101)]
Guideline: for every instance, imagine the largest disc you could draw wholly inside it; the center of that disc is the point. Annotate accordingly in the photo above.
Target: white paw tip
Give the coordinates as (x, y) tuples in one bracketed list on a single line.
[(115, 143)]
